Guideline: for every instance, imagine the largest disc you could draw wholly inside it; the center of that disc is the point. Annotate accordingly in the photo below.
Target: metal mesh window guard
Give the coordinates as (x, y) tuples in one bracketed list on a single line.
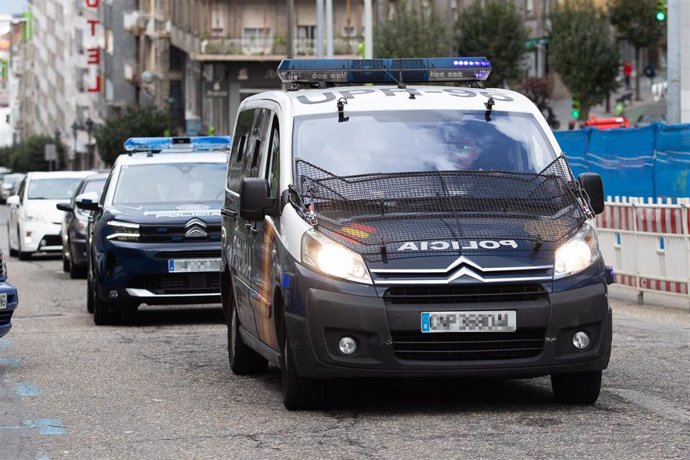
[(373, 213)]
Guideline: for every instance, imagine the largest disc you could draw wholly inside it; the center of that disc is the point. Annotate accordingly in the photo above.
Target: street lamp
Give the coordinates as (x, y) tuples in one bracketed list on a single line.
[(75, 127), (89, 130)]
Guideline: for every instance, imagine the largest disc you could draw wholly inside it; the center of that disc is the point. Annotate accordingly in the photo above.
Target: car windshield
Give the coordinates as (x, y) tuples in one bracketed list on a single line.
[(94, 186), (53, 189), (9, 181), (179, 183), (421, 140)]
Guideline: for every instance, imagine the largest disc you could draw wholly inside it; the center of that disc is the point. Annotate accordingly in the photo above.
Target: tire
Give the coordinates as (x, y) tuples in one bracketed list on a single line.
[(299, 393), (66, 266), (89, 296), (76, 272), (243, 360), (22, 255), (582, 388), (13, 252), (102, 315)]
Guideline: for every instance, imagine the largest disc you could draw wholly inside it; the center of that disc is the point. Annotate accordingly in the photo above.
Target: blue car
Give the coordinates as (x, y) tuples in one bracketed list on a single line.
[(8, 299), (154, 236)]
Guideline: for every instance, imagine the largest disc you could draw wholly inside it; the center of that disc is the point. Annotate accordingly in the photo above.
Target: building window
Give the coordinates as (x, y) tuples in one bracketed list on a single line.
[(305, 39), (529, 6), (256, 40)]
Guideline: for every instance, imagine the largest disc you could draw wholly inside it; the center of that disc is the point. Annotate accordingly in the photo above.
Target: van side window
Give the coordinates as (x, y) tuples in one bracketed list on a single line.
[(238, 154), (273, 164), (256, 141)]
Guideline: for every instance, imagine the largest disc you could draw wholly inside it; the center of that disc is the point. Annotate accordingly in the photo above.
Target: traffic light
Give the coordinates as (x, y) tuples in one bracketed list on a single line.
[(661, 10), (575, 109)]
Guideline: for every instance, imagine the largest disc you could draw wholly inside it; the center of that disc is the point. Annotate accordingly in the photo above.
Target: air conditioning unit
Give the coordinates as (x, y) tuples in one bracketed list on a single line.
[(131, 72), (135, 21)]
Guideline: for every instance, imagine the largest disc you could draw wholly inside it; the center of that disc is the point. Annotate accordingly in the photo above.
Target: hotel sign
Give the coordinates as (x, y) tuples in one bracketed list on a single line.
[(93, 51)]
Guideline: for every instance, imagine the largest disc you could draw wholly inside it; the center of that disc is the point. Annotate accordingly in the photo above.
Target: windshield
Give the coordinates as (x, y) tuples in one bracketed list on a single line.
[(53, 189), (94, 186), (179, 183), (9, 181), (417, 140)]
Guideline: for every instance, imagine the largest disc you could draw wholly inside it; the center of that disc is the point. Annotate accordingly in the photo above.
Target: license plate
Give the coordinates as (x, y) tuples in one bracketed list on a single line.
[(193, 265), (3, 301), (469, 321)]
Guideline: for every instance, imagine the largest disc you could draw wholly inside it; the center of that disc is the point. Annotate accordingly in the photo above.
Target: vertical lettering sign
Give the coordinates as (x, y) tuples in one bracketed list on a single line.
[(93, 51)]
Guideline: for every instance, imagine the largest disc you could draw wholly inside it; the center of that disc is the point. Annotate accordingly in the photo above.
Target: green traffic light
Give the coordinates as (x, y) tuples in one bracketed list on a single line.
[(575, 114), (660, 16)]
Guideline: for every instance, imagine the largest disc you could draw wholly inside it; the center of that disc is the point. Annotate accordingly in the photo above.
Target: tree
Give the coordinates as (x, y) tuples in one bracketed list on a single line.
[(412, 32), (140, 123), (30, 154), (583, 53), (497, 31), (635, 21)]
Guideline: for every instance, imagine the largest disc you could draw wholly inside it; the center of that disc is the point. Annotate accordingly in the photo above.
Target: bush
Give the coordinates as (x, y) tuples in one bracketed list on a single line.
[(141, 123), (30, 154)]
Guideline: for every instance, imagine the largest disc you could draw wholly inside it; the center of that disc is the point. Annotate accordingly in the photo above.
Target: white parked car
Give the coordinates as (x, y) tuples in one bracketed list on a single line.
[(34, 224)]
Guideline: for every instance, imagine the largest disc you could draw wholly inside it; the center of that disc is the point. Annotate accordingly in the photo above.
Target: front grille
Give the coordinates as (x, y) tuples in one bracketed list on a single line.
[(464, 346), (52, 240), (175, 234), (3, 266), (5, 317), (458, 294), (179, 283)]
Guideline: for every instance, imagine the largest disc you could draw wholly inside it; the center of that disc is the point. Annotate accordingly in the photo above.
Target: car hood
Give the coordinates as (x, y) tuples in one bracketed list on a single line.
[(165, 214), (46, 209)]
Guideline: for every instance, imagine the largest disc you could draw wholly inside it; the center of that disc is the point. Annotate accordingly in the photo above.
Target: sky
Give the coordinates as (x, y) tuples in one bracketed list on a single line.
[(12, 6)]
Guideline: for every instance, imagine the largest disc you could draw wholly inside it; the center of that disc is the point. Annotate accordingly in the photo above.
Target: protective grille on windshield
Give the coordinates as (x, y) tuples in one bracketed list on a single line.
[(375, 212)]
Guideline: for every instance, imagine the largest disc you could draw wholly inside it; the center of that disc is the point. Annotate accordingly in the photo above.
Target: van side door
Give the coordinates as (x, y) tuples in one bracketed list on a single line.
[(238, 239)]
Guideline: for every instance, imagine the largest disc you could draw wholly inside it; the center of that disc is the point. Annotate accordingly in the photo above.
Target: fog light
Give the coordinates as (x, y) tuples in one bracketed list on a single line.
[(581, 340), (347, 345), (112, 295)]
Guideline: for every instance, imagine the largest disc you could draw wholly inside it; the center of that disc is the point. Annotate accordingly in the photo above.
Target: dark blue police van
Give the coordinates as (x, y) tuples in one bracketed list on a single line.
[(8, 299)]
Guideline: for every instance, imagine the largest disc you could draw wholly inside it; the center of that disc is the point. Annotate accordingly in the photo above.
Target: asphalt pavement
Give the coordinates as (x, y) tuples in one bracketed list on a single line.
[(161, 387)]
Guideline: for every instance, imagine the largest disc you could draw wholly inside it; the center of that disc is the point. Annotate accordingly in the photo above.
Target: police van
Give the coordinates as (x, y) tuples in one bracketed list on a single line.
[(378, 225)]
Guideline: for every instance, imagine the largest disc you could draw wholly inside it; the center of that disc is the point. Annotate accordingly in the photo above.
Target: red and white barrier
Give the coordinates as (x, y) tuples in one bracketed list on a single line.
[(648, 244)]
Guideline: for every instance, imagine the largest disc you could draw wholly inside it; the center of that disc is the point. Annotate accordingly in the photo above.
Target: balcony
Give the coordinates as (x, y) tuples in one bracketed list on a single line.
[(257, 48), (158, 28)]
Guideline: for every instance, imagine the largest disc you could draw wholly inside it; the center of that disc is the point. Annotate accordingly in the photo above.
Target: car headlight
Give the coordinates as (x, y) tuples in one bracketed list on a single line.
[(123, 231), (80, 227), (331, 258), (581, 251)]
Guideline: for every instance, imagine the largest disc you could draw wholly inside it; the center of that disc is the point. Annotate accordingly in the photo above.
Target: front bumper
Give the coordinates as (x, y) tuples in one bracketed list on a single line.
[(133, 273), (6, 313), (40, 237), (388, 334), (77, 252)]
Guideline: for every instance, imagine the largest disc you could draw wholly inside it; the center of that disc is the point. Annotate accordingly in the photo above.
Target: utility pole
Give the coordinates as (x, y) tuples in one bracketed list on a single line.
[(329, 28), (368, 31), (290, 31), (319, 29)]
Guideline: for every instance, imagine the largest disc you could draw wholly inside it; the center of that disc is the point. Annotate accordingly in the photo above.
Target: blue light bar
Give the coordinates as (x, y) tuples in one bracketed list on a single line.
[(413, 70), (186, 144)]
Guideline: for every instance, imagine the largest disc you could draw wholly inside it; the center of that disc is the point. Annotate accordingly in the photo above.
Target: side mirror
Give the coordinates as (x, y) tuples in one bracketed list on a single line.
[(87, 201), (591, 183), (13, 200), (64, 207), (254, 201)]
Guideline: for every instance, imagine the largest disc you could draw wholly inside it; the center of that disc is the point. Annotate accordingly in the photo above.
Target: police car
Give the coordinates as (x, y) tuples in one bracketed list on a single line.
[(154, 236), (377, 225), (8, 299)]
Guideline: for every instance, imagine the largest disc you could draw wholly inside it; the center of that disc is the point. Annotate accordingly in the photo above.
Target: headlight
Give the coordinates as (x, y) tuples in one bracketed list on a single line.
[(581, 251), (80, 227), (331, 258), (123, 231)]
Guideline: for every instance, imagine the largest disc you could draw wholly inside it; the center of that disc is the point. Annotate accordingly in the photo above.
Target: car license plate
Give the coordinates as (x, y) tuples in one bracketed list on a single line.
[(469, 321), (193, 265), (3, 301)]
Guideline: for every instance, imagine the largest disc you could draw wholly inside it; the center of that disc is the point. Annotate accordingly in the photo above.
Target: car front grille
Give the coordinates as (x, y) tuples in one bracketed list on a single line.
[(5, 317), (464, 346), (460, 294), (52, 240), (179, 283), (175, 234)]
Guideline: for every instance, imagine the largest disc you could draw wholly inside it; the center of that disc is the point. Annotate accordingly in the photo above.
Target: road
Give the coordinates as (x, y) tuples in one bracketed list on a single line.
[(161, 388)]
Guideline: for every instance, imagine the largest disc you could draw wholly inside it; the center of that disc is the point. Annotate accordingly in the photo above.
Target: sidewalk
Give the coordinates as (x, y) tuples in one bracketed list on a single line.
[(633, 109)]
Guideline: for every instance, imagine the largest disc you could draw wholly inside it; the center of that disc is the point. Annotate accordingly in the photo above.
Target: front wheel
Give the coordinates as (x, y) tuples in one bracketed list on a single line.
[(581, 388), (299, 393), (65, 263), (102, 315), (13, 252), (89, 296), (76, 272), (243, 360)]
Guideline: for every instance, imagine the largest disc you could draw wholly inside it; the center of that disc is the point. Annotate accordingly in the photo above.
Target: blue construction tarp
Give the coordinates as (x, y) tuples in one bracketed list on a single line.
[(653, 161)]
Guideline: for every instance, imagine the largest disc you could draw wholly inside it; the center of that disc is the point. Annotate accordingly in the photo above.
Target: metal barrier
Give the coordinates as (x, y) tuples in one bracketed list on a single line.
[(648, 244)]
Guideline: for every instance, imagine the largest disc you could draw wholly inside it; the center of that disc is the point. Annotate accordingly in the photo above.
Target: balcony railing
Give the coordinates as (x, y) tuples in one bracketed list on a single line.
[(273, 46)]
